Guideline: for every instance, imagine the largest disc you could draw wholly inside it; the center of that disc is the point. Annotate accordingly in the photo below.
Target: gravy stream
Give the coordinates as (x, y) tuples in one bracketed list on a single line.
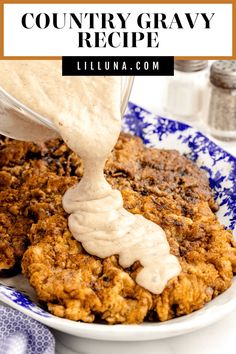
[(86, 111)]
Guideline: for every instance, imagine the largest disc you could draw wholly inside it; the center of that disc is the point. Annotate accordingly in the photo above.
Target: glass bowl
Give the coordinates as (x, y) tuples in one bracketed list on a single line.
[(19, 122)]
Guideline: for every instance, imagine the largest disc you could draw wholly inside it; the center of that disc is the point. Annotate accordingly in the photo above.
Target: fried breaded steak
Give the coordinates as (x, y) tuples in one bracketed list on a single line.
[(24, 176), (162, 185)]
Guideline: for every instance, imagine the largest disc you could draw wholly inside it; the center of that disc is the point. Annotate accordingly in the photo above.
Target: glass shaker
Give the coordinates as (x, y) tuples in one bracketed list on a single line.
[(221, 121), (185, 97)]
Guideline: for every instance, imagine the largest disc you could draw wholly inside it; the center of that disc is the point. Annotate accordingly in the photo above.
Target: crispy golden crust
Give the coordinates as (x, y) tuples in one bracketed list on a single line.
[(163, 186), (26, 182)]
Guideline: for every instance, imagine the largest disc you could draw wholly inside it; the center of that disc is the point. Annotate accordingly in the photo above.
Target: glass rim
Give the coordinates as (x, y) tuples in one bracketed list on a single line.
[(38, 118)]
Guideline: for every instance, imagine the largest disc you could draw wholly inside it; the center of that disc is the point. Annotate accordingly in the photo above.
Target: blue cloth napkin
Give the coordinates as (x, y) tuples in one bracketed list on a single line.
[(20, 334)]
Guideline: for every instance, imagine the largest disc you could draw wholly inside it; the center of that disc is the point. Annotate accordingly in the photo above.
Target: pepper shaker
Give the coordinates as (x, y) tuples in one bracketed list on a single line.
[(221, 122)]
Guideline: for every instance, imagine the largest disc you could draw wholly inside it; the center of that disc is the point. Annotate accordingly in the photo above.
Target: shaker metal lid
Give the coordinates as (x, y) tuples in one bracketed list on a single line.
[(190, 65), (223, 74)]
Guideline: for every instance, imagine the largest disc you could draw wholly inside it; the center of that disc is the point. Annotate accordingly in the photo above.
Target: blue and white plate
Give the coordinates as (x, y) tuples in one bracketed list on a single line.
[(221, 168)]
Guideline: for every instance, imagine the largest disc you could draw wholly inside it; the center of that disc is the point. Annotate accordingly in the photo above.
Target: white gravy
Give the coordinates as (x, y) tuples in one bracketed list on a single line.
[(86, 111)]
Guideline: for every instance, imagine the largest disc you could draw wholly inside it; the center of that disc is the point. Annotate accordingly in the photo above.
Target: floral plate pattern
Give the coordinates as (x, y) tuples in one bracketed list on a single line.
[(221, 169)]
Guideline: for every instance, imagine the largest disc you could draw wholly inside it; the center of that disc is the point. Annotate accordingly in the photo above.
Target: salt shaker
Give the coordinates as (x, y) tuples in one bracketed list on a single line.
[(184, 98), (221, 122)]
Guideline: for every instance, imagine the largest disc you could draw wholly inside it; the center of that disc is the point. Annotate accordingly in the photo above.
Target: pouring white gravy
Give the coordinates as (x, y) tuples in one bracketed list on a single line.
[(86, 111)]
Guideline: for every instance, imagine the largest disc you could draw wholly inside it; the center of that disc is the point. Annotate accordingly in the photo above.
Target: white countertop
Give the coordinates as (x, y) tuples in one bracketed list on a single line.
[(216, 339)]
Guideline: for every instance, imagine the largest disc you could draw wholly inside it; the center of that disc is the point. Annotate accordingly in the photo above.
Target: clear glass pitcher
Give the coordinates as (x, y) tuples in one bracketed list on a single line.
[(16, 119)]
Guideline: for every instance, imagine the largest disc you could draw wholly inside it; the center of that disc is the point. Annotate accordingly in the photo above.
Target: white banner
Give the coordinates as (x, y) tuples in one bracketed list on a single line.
[(117, 29)]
